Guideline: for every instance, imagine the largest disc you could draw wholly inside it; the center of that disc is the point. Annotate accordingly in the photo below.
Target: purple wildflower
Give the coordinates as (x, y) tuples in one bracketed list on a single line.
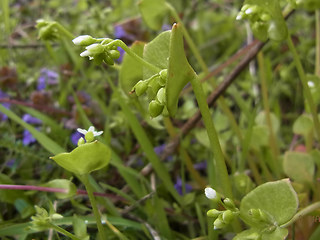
[(75, 137), (122, 52), (4, 117), (120, 33), (47, 77), (11, 163), (166, 27), (179, 184), (159, 149), (32, 120), (200, 166), (27, 138)]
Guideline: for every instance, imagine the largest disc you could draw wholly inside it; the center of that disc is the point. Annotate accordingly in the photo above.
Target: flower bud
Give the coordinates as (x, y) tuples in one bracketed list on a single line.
[(229, 204), (155, 108), (214, 213), (227, 216), (141, 87), (219, 223), (85, 54), (81, 141), (210, 193), (265, 17), (108, 60), (163, 77), (161, 95), (84, 40), (115, 54), (95, 49)]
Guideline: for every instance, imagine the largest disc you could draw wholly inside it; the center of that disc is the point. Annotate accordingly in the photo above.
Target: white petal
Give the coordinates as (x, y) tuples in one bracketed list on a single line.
[(91, 129), (83, 131), (78, 40), (210, 193), (85, 54), (97, 133)]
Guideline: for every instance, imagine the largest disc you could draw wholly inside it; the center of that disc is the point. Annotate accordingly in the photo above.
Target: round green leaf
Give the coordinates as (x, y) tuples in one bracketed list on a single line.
[(278, 199), (85, 158), (299, 166), (65, 184), (303, 125)]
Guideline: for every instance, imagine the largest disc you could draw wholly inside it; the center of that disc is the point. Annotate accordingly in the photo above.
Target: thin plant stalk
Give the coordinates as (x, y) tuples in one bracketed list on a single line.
[(265, 100), (85, 180), (219, 162), (134, 55), (302, 213), (317, 67), (62, 231), (306, 88), (185, 156)]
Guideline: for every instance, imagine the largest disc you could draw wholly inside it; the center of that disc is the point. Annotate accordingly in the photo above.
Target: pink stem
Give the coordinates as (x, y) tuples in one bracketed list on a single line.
[(58, 190)]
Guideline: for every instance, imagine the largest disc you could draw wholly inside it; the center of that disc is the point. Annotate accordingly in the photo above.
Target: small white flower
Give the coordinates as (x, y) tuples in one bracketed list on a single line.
[(210, 193), (91, 129), (85, 54), (310, 84), (83, 40)]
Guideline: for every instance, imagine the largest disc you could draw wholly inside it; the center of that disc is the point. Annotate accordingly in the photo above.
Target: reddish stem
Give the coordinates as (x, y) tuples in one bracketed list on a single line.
[(57, 190)]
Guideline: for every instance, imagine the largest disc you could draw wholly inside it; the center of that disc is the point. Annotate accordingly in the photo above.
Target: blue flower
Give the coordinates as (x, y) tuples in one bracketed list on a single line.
[(120, 33), (200, 166), (29, 119), (75, 137), (27, 138), (47, 77), (4, 117), (178, 186)]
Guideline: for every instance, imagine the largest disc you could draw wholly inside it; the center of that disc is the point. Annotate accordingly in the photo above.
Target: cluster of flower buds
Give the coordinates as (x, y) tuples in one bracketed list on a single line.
[(47, 30), (98, 49), (42, 219), (155, 87), (224, 217), (259, 18)]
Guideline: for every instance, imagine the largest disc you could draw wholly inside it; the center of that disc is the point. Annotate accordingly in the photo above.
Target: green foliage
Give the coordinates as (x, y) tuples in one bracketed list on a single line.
[(299, 167), (277, 200), (263, 129)]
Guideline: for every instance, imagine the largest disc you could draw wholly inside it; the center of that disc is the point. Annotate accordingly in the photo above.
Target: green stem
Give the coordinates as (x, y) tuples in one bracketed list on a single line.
[(219, 162), (62, 231), (306, 89), (317, 68), (63, 30), (302, 213), (85, 180), (188, 38), (265, 100), (121, 44)]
